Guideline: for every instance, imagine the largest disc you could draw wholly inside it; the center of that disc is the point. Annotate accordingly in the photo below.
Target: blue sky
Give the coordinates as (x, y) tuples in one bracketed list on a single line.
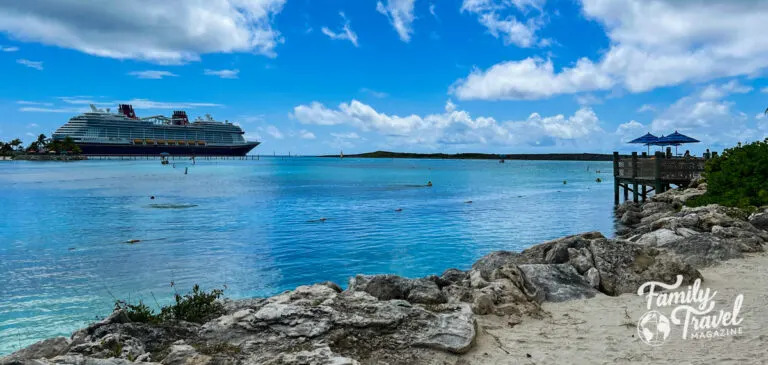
[(312, 77)]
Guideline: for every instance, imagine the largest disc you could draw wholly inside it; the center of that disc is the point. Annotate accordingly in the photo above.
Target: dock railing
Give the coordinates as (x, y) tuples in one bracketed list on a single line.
[(656, 172)]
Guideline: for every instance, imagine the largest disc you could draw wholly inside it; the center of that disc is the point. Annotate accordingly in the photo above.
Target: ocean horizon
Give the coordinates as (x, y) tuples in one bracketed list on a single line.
[(259, 227)]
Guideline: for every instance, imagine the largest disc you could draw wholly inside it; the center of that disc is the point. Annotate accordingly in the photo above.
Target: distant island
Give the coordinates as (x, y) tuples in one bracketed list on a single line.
[(486, 156)]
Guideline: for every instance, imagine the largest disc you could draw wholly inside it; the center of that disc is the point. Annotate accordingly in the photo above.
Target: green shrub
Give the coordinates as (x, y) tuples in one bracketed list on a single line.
[(137, 312), (737, 178), (197, 306)]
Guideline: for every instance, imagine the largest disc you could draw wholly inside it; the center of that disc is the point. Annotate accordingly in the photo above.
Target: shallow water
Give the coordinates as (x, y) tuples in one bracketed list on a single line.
[(75, 236)]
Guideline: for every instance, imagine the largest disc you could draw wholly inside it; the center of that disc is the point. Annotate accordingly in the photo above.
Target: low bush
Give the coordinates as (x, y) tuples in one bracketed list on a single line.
[(197, 306), (737, 178)]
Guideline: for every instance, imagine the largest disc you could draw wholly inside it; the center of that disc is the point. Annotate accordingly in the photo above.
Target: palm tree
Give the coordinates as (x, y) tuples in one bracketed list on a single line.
[(42, 140), (17, 144)]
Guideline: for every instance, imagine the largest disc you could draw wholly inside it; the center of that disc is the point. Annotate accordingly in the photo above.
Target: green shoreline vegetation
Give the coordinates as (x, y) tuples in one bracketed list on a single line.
[(43, 148), (486, 156), (737, 178)]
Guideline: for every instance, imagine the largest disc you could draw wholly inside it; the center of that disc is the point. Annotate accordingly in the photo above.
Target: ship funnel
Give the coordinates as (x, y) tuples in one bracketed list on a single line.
[(93, 108)]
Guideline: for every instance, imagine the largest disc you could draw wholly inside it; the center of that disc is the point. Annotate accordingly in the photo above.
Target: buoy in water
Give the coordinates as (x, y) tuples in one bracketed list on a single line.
[(429, 183), (152, 197), (598, 180), (564, 182), (399, 210)]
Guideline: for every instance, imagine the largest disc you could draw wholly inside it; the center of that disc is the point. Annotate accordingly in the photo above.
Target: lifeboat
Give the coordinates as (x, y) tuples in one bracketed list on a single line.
[(180, 142), (160, 141), (150, 141), (170, 141), (200, 143), (138, 141), (191, 143)]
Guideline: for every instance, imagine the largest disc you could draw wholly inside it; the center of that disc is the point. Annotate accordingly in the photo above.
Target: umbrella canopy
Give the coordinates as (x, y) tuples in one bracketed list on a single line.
[(646, 139), (662, 141), (677, 138)]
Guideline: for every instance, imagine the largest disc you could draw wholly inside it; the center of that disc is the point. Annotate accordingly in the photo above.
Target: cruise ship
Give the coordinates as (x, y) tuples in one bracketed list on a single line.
[(100, 132)]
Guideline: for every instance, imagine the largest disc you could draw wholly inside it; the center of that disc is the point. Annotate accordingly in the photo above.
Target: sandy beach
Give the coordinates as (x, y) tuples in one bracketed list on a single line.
[(597, 331)]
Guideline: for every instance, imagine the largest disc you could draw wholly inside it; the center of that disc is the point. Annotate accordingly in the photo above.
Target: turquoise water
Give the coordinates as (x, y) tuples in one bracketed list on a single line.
[(248, 225)]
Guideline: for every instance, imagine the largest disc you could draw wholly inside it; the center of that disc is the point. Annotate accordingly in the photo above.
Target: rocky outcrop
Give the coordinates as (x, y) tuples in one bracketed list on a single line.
[(700, 236)]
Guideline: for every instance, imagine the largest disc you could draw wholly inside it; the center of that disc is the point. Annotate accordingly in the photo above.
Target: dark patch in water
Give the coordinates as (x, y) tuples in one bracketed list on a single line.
[(172, 206)]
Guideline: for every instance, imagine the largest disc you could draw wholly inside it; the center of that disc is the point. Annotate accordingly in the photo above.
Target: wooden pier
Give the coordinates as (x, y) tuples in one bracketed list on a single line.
[(644, 174)]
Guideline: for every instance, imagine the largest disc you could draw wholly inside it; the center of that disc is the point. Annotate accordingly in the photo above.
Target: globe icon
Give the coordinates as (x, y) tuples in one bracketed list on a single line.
[(653, 328)]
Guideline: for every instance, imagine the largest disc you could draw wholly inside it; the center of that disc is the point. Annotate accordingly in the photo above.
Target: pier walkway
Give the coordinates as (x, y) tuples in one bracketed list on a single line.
[(643, 174)]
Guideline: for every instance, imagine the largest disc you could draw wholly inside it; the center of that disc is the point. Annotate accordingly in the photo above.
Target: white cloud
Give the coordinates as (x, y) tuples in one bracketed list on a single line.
[(305, 134), (169, 31), (432, 10), (588, 99), (454, 126), (530, 79), (646, 108), (374, 93), (715, 92), (25, 102), (37, 65), (764, 90), (34, 109), (345, 34), (350, 135), (630, 130), (9, 49), (29, 134), (400, 15), (32, 125), (272, 131), (224, 74), (707, 117), (152, 74), (509, 28), (137, 103), (653, 44)]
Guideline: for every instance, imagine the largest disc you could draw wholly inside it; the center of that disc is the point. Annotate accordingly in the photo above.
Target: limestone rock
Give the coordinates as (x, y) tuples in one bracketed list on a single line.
[(593, 278), (759, 220), (425, 291), (453, 276), (659, 237), (382, 287), (580, 259), (704, 250), (320, 355), (624, 266), (453, 332), (492, 261), (631, 217), (559, 282), (185, 355), (483, 304), (49, 348)]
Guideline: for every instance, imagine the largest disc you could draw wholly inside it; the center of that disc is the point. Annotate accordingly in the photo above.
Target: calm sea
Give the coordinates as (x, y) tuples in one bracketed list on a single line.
[(252, 226)]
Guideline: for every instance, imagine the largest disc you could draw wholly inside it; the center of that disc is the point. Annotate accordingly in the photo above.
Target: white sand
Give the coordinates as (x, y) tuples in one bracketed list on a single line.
[(591, 331)]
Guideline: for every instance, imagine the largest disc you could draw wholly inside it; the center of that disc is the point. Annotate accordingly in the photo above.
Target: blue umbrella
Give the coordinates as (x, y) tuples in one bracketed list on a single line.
[(675, 139), (648, 139)]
